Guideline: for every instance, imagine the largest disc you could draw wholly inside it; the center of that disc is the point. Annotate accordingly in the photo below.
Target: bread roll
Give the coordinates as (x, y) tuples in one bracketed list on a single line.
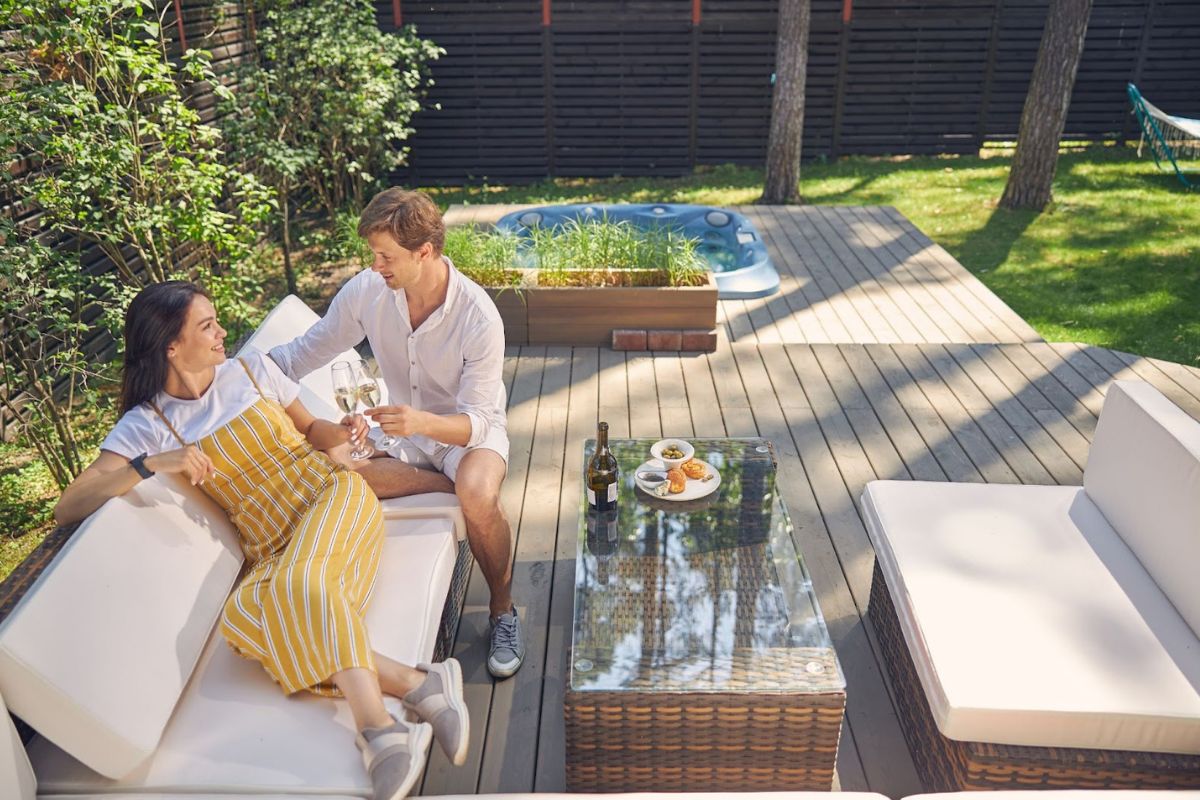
[(678, 480), (694, 469)]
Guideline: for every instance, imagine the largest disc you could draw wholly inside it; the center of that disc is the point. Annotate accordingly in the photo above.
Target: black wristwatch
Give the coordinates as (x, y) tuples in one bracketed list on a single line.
[(139, 466)]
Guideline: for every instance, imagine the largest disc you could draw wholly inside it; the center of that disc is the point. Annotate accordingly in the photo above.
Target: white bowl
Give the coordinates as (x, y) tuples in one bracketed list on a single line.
[(670, 463)]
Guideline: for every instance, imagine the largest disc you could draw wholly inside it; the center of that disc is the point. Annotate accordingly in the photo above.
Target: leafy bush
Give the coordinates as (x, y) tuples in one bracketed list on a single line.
[(44, 299), (325, 107), (102, 149), (99, 136), (338, 240)]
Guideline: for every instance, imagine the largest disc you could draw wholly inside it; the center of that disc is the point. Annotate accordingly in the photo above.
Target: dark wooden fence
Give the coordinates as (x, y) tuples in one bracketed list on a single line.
[(534, 88)]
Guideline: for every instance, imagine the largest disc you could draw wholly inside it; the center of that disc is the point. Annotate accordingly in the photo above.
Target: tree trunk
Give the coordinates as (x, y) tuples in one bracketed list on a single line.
[(1046, 104), (289, 273), (782, 183)]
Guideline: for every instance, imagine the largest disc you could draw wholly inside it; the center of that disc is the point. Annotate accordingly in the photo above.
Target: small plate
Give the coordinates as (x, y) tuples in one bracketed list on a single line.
[(695, 489)]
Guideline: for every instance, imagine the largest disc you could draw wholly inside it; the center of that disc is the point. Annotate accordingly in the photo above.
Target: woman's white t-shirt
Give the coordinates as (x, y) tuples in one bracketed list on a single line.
[(140, 430)]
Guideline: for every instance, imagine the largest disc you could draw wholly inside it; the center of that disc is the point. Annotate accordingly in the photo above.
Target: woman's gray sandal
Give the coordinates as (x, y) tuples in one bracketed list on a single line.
[(439, 701), (394, 757)]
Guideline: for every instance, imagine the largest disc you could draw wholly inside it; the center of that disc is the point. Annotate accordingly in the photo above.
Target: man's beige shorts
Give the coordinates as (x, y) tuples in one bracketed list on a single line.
[(447, 457)]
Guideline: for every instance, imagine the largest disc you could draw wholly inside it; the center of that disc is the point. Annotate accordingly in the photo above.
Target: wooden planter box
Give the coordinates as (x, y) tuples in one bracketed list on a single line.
[(586, 315)]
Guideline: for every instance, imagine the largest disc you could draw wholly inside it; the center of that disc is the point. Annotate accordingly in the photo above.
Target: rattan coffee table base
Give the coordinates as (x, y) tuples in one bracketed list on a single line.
[(947, 765), (669, 741)]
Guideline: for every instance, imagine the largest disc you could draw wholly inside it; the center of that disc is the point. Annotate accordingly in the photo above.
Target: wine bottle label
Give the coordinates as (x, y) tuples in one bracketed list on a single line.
[(609, 497)]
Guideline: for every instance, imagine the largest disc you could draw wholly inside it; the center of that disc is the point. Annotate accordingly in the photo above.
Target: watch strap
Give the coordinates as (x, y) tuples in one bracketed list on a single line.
[(139, 466)]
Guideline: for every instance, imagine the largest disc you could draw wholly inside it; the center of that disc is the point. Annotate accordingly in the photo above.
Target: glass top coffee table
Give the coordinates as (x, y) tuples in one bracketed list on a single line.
[(699, 659)]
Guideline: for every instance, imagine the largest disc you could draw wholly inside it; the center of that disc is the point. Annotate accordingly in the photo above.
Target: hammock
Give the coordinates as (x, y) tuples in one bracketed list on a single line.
[(1169, 138)]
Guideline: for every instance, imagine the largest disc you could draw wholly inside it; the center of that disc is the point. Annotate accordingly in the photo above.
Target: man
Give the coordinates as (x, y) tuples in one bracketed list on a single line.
[(439, 342)]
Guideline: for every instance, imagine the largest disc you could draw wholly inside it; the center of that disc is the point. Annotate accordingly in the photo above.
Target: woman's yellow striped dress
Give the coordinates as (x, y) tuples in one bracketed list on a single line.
[(312, 532)]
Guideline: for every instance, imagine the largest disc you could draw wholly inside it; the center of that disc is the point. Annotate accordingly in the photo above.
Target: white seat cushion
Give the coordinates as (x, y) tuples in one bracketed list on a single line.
[(97, 652), (1029, 620), (1143, 472), (236, 732)]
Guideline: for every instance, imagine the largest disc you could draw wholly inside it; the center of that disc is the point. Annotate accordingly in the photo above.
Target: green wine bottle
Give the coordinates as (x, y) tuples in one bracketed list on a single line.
[(602, 473)]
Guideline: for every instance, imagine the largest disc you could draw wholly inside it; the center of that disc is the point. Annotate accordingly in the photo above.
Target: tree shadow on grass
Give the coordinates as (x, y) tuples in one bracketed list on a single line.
[(985, 248)]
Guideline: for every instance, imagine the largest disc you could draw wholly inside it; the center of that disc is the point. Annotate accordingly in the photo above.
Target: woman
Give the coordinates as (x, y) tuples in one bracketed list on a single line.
[(311, 530)]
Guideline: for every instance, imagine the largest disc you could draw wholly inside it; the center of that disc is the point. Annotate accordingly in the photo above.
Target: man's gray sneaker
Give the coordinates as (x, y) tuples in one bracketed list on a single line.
[(507, 650), (394, 757), (439, 701)]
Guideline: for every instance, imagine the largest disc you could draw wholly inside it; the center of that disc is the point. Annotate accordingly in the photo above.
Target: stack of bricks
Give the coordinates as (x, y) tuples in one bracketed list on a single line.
[(701, 341)]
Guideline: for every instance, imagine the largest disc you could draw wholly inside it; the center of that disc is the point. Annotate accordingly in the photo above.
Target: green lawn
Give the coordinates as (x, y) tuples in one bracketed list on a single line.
[(1115, 261)]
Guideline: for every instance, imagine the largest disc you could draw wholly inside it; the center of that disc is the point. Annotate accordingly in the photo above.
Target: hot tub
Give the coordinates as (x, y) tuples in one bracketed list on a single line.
[(728, 241)]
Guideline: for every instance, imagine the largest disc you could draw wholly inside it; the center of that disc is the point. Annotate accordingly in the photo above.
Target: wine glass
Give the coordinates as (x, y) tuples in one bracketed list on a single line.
[(346, 394), (368, 392)]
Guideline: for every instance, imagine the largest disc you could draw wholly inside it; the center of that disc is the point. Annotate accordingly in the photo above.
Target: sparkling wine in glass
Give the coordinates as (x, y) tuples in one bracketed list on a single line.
[(368, 392), (346, 394)]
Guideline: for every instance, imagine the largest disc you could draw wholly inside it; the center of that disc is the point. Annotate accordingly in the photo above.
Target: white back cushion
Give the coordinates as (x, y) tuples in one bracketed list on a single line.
[(292, 318), (1143, 473), (99, 650), (16, 776)]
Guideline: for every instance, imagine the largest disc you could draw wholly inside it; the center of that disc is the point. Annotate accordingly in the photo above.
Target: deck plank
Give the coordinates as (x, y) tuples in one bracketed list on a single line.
[(644, 420), (1019, 458), (905, 267), (509, 757), (957, 419), (937, 437), (919, 461), (613, 393), (1058, 464), (441, 777), (785, 323), (941, 287), (974, 293), (837, 315), (877, 304), (1060, 428), (810, 534), (673, 408), (868, 243), (856, 297), (838, 551), (550, 774)]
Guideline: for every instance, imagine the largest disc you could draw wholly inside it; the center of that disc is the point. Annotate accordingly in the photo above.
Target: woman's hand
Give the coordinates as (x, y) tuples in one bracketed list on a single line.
[(188, 461), (356, 428)]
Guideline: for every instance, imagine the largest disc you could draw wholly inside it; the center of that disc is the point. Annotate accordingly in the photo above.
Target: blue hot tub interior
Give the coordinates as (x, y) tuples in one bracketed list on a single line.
[(728, 241)]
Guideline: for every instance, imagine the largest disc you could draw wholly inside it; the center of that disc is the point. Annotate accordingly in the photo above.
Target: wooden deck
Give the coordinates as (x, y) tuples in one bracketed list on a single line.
[(862, 274), (839, 416)]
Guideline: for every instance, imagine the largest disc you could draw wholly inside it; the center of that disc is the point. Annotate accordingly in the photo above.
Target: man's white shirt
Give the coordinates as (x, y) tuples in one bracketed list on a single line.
[(452, 364)]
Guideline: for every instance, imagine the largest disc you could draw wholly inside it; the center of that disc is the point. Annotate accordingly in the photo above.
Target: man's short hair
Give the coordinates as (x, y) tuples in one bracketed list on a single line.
[(409, 216)]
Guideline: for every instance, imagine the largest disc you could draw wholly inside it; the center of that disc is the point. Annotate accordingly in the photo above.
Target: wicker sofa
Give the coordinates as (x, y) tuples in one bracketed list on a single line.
[(110, 652), (1046, 636)]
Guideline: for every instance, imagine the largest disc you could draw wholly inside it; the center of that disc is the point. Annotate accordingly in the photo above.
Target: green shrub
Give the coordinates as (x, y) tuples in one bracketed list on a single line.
[(324, 109), (486, 257), (98, 135)]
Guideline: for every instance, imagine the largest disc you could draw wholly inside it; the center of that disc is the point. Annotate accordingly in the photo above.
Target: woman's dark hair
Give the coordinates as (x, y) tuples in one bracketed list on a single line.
[(153, 320)]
